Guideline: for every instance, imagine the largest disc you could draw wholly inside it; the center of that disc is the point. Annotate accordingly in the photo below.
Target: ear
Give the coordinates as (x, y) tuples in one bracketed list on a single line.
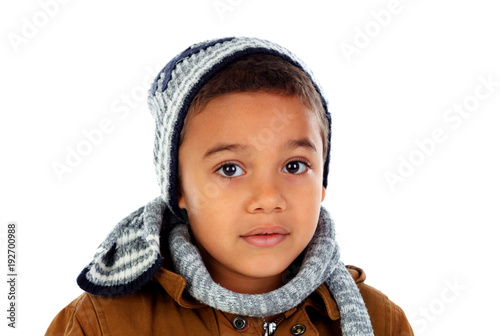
[(323, 193), (181, 200)]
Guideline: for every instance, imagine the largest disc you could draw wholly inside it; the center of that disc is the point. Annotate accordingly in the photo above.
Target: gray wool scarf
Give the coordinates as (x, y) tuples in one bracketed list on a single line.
[(131, 255), (321, 264)]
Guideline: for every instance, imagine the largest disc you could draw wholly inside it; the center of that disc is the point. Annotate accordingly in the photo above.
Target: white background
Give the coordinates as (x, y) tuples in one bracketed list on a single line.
[(436, 229)]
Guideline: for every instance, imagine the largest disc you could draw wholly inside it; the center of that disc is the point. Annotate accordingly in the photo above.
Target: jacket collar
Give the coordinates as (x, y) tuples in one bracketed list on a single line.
[(321, 299)]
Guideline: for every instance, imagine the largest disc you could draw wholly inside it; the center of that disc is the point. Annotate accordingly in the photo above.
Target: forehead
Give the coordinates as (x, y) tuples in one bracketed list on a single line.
[(251, 116)]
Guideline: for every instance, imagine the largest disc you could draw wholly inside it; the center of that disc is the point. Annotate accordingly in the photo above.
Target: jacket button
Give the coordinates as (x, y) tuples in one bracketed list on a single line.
[(240, 323), (298, 329)]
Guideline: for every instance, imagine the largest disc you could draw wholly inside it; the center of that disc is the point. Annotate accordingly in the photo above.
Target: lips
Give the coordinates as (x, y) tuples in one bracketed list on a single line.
[(265, 236)]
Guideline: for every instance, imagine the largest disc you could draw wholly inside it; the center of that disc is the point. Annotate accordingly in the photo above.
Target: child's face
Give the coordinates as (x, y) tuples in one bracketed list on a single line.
[(251, 181)]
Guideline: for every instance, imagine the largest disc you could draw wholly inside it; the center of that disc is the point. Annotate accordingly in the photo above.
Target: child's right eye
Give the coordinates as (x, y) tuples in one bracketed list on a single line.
[(230, 170)]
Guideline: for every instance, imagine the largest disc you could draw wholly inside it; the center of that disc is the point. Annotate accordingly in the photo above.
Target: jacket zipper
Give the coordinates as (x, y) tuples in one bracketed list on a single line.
[(270, 328)]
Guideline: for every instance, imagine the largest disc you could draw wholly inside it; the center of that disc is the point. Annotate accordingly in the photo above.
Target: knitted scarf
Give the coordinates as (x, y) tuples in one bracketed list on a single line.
[(130, 256)]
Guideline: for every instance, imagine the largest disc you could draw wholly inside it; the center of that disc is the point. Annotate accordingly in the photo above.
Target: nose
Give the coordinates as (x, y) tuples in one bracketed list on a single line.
[(266, 196)]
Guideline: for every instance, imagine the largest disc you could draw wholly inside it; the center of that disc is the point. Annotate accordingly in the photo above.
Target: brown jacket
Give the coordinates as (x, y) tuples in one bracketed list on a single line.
[(163, 307)]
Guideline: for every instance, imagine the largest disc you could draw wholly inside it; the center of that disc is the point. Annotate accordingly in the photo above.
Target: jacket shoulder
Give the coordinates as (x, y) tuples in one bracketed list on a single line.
[(77, 318), (386, 317), (149, 311), (91, 314)]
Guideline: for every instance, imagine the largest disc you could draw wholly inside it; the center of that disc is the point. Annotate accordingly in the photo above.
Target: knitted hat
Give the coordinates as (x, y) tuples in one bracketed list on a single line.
[(131, 254), (177, 84)]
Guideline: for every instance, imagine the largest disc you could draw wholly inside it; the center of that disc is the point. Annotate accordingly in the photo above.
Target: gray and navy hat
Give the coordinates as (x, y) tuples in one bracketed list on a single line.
[(177, 84)]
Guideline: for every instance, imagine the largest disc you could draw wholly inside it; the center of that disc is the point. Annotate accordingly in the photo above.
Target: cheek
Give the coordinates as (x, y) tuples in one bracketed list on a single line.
[(309, 190), (212, 191), (197, 229), (198, 190), (212, 232)]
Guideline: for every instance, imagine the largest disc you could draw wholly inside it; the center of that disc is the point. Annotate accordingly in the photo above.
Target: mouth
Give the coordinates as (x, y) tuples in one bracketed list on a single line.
[(266, 237), (264, 231)]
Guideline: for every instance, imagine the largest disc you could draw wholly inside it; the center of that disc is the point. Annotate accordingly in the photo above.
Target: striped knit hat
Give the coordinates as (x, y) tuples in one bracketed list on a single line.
[(131, 254), (175, 87)]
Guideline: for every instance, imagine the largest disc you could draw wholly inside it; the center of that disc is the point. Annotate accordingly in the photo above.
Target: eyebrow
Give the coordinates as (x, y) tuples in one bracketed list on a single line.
[(297, 143), (221, 147), (291, 144)]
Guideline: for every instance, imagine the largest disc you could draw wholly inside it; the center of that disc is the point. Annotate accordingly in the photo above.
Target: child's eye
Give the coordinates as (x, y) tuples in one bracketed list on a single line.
[(230, 170), (295, 167)]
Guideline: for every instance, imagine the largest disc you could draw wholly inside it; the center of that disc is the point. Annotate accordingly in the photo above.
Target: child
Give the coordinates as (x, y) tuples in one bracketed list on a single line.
[(238, 242)]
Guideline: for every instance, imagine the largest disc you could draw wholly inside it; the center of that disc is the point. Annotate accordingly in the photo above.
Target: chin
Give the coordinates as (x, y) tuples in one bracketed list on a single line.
[(267, 270)]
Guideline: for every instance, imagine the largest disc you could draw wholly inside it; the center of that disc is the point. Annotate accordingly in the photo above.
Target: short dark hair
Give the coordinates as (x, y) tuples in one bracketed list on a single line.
[(262, 73)]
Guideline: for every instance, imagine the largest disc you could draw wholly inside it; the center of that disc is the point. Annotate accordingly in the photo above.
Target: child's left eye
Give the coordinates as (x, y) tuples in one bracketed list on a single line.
[(295, 167)]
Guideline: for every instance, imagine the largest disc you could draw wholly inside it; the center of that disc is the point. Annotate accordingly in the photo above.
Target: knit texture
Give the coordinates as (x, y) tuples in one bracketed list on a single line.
[(177, 84), (130, 256)]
